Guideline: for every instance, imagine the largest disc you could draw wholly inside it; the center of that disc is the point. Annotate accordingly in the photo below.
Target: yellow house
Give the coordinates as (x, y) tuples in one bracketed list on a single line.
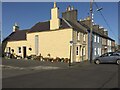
[(53, 37)]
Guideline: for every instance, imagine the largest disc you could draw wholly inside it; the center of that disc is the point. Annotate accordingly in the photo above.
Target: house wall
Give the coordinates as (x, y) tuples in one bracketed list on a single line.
[(15, 44), (104, 45), (97, 46), (82, 46), (113, 48), (56, 43), (109, 45)]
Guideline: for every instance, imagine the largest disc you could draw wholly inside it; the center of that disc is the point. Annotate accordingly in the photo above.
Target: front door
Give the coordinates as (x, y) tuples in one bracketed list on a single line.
[(24, 52)]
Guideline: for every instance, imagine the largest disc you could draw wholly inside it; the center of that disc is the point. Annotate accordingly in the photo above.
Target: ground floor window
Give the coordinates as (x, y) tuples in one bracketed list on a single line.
[(8, 49), (83, 50), (95, 50), (77, 48), (19, 49)]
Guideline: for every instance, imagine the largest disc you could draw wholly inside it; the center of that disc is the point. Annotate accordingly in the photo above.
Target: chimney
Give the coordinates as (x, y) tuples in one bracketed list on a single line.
[(70, 14), (55, 21), (101, 29), (105, 32), (15, 27)]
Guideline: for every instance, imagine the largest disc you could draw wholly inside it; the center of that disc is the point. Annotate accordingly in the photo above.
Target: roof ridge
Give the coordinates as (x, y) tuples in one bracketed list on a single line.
[(44, 21), (67, 23)]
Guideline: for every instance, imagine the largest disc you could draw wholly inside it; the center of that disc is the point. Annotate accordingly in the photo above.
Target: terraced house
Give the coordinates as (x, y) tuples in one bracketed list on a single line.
[(102, 43), (64, 37), (51, 38)]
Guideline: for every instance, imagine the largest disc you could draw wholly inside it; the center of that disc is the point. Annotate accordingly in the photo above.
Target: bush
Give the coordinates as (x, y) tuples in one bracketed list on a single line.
[(66, 60)]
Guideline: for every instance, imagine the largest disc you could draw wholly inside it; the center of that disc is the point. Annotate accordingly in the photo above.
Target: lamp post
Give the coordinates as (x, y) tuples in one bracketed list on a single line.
[(71, 43), (91, 28)]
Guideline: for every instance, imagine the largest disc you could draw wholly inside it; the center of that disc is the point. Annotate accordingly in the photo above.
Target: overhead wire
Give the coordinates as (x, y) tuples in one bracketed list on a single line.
[(105, 19)]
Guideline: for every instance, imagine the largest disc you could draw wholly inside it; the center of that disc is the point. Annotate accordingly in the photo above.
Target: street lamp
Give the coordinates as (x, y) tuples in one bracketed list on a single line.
[(71, 43), (91, 28)]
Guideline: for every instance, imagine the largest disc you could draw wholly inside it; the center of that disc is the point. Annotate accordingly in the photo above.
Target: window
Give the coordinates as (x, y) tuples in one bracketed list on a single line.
[(94, 38), (98, 51), (98, 39), (84, 51), (78, 35), (8, 49), (77, 50), (95, 51), (36, 44), (19, 49), (83, 37)]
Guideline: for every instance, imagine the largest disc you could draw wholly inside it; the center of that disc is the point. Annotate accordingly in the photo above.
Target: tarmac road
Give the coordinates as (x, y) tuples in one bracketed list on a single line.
[(80, 75)]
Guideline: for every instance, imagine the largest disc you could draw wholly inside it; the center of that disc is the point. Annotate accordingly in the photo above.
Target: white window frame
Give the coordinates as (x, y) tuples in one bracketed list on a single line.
[(98, 51), (98, 39), (78, 35), (84, 37), (84, 51), (94, 38), (95, 51)]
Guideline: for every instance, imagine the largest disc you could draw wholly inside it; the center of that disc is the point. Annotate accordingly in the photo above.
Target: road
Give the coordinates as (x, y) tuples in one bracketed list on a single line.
[(37, 74)]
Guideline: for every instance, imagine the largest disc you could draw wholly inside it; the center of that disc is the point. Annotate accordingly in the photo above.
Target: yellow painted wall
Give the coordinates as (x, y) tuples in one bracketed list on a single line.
[(56, 43), (15, 44)]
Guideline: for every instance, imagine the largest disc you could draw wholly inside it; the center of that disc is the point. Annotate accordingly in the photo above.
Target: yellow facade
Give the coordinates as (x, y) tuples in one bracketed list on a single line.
[(14, 45), (56, 43)]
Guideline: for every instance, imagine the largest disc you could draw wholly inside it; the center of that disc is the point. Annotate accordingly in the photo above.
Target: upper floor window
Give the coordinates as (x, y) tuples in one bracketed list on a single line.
[(94, 38), (84, 37), (78, 35), (98, 39)]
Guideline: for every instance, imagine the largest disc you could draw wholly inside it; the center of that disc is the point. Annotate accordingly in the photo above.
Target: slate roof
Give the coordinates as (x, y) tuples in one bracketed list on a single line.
[(16, 36), (77, 26), (96, 31), (40, 26), (45, 26)]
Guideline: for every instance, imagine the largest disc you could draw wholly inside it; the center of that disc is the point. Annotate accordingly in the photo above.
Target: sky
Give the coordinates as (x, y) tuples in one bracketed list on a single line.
[(27, 14)]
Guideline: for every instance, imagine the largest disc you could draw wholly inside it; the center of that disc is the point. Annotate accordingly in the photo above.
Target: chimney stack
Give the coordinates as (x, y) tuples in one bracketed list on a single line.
[(15, 27), (55, 21), (70, 14)]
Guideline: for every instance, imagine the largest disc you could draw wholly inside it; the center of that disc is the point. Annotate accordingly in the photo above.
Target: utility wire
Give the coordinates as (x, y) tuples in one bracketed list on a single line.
[(105, 20)]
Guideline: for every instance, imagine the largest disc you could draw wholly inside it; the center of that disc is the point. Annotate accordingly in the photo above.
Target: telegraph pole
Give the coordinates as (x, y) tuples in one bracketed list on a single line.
[(91, 29)]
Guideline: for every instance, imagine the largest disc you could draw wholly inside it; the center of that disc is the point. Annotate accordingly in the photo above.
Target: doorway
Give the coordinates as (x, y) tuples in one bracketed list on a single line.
[(24, 52)]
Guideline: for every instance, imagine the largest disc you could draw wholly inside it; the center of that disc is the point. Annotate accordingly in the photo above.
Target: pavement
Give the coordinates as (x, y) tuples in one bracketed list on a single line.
[(37, 74)]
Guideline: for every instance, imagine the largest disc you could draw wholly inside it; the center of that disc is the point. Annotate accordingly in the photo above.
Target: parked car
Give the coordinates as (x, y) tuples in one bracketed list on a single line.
[(111, 57)]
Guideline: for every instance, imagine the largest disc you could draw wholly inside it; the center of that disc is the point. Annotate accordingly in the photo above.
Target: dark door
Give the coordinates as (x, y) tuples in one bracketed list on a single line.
[(24, 52)]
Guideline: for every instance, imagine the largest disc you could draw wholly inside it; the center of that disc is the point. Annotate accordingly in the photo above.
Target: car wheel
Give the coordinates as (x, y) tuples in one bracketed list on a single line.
[(97, 62), (118, 62)]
